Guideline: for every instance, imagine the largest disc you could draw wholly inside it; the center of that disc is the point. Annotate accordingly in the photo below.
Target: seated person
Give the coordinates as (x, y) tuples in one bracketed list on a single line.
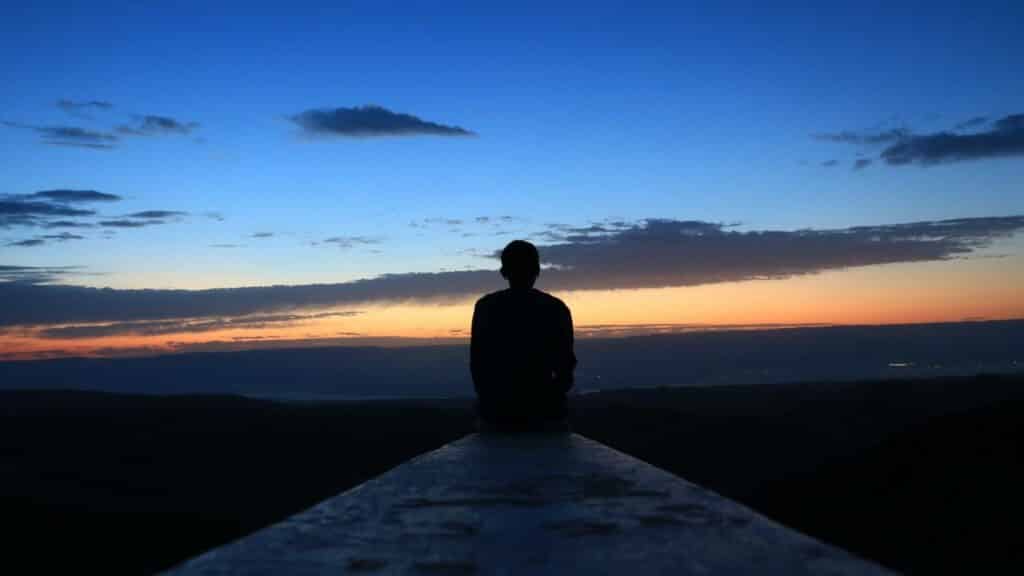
[(521, 353)]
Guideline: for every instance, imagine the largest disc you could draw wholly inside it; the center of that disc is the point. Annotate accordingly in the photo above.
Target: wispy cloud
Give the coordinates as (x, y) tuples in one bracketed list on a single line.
[(972, 123), (27, 243), (852, 137), (645, 254), (74, 196), (67, 224), (157, 214), (43, 239), (127, 223), (153, 125), (352, 241), (23, 211), (69, 135), (79, 107), (368, 121), (262, 235), (34, 275), (861, 163), (188, 325)]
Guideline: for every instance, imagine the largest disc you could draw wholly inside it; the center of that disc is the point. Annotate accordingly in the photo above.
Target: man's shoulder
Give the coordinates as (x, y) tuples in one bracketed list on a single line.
[(490, 298), (549, 300), (499, 297)]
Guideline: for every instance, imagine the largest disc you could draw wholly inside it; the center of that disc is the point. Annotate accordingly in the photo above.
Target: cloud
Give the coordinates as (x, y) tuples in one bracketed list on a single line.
[(645, 254), (62, 237), (262, 235), (153, 125), (351, 241), (40, 240), (156, 214), (69, 135), (126, 223), (226, 245), (66, 224), (34, 274), (13, 206), (861, 163), (830, 163), (189, 325), (851, 137), (27, 243), (75, 196), (77, 106), (1004, 138), (971, 123), (23, 211), (367, 121)]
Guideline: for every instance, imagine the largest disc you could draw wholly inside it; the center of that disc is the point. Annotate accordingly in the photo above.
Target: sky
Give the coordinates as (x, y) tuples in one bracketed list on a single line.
[(204, 174)]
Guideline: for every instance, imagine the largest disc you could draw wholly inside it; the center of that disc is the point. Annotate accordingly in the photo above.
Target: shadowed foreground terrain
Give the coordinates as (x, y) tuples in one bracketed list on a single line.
[(922, 476)]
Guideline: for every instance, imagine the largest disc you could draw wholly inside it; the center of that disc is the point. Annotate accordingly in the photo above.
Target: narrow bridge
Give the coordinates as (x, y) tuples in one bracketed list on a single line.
[(532, 504)]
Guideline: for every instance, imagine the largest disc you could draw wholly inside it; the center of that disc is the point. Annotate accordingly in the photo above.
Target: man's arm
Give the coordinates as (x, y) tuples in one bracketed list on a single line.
[(565, 355), (477, 354)]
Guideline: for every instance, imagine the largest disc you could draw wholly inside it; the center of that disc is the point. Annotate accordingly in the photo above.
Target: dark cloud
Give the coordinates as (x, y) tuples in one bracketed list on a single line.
[(351, 241), (126, 223), (851, 137), (34, 274), (23, 211), (62, 237), (86, 145), (69, 135), (156, 214), (647, 254), (1004, 138), (190, 325), (14, 206), (153, 125), (75, 196), (40, 240), (367, 121), (27, 243), (861, 163), (971, 123), (77, 106), (66, 224), (829, 163)]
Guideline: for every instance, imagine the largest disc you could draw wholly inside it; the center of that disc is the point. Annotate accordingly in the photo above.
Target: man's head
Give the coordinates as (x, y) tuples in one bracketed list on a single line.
[(520, 264)]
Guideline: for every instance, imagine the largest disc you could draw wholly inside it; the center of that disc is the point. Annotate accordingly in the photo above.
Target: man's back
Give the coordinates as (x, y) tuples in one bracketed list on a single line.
[(522, 357)]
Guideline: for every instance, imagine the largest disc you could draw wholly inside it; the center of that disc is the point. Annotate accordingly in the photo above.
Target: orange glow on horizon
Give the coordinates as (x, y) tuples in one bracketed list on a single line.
[(945, 291)]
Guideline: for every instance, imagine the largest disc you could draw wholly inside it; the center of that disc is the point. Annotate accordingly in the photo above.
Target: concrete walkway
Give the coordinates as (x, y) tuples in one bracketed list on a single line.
[(535, 504)]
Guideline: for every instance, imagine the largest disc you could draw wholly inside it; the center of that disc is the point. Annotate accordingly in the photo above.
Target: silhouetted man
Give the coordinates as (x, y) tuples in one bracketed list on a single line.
[(521, 354)]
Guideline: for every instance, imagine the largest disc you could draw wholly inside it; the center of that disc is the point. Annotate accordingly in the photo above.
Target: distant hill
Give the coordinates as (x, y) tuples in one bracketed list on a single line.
[(705, 358)]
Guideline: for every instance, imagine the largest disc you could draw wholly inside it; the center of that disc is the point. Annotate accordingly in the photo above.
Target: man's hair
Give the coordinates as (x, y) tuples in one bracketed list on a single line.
[(520, 258)]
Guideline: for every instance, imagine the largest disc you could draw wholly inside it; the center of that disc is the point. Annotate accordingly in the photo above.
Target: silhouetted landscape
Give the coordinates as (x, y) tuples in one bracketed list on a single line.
[(698, 359), (920, 475)]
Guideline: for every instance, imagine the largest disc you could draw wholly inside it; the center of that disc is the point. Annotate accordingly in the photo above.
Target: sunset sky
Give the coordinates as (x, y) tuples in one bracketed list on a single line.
[(210, 175)]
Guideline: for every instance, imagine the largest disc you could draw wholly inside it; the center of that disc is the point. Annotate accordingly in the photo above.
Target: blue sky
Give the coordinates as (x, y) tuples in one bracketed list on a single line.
[(583, 112)]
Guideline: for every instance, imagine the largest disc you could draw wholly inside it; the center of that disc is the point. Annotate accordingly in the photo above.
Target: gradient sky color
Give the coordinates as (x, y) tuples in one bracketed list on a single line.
[(582, 113)]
